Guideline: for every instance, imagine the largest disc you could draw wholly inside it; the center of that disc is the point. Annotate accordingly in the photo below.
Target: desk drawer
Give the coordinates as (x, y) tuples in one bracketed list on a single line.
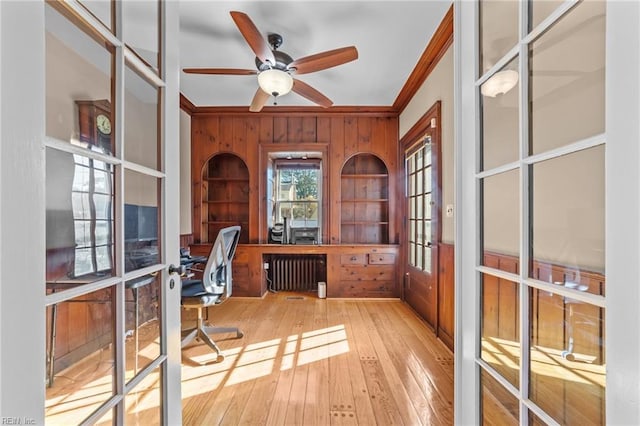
[(366, 273), (382, 259), (353, 259)]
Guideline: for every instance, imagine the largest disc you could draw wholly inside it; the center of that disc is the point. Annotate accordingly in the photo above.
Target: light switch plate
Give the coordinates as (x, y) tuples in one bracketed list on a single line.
[(449, 210)]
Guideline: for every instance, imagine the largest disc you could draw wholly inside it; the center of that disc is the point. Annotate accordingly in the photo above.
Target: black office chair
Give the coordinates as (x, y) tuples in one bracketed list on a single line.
[(214, 288)]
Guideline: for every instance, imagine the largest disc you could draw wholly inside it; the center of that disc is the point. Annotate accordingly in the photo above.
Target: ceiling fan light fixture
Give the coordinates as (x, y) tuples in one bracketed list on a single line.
[(275, 82), (499, 83)]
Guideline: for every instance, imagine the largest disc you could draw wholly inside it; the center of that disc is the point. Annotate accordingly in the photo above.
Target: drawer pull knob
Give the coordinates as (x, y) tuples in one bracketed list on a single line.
[(353, 258)]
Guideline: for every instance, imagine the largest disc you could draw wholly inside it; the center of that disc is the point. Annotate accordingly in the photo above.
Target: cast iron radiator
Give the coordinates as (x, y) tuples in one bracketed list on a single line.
[(297, 272)]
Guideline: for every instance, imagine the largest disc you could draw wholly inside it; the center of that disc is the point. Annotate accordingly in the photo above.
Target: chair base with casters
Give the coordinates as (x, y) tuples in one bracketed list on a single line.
[(213, 289), (202, 331)]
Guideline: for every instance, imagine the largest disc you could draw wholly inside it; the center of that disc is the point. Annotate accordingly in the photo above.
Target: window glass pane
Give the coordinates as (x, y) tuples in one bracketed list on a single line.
[(428, 207), (499, 406), (80, 339), (141, 126), (500, 117), (79, 236), (78, 84), (143, 405), (142, 323), (420, 182), (540, 9), (101, 9), (419, 256), (500, 345), (568, 232), (427, 260), (567, 371), (140, 29), (141, 219), (427, 150), (498, 31), (412, 253), (567, 79), (501, 214), (419, 206)]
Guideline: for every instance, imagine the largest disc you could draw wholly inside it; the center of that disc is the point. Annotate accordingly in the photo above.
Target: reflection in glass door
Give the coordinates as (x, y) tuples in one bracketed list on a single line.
[(105, 256), (540, 186)]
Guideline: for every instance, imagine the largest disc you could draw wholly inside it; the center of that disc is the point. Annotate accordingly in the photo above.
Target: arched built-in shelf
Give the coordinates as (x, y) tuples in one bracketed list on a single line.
[(225, 196), (365, 201)]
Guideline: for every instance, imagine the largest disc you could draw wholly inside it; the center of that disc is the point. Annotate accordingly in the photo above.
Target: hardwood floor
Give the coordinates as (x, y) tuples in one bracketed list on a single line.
[(309, 361), (302, 361)]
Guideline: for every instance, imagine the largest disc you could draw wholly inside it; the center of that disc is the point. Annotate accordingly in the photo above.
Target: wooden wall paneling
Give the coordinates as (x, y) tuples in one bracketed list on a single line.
[(252, 159), (294, 130), (323, 129), (350, 136), (490, 299), (365, 143), (226, 134), (395, 168), (186, 240), (309, 129), (280, 129), (336, 161), (265, 127), (446, 294), (239, 138)]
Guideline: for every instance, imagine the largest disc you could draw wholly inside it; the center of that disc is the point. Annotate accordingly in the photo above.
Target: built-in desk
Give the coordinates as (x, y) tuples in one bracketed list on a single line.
[(354, 270)]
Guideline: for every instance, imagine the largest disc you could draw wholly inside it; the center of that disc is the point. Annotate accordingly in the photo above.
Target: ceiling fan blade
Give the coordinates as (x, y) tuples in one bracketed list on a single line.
[(306, 91), (259, 99), (253, 37), (224, 71), (324, 60)]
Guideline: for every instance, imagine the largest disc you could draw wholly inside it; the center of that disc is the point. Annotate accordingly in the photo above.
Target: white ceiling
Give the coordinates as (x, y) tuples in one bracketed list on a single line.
[(390, 37)]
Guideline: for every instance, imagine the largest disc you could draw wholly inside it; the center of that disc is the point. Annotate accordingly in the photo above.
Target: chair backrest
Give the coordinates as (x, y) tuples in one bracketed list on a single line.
[(217, 276)]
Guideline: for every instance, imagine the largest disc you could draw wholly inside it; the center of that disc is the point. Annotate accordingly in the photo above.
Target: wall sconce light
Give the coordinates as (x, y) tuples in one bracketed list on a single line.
[(275, 82), (499, 83)]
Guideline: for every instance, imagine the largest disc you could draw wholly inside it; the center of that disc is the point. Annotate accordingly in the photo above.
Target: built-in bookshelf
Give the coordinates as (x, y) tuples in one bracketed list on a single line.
[(365, 201), (225, 196)]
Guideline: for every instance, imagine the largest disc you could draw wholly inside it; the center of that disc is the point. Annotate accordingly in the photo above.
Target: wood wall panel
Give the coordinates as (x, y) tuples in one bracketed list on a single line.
[(246, 134), (446, 294)]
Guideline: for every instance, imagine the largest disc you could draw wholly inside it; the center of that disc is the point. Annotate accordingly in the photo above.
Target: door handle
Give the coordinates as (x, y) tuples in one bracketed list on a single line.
[(180, 270), (429, 244)]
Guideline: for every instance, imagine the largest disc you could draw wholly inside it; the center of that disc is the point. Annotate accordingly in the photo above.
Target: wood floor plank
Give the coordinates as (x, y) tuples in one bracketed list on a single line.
[(309, 361)]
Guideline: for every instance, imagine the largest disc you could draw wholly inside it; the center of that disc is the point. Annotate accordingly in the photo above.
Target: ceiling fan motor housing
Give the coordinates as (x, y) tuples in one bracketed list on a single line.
[(282, 59)]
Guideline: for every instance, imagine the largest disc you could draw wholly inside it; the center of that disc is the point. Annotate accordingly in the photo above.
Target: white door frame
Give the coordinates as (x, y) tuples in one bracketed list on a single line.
[(622, 207)]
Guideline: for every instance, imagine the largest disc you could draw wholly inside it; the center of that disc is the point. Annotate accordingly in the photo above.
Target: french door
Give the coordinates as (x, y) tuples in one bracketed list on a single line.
[(90, 136), (546, 288), (422, 169)]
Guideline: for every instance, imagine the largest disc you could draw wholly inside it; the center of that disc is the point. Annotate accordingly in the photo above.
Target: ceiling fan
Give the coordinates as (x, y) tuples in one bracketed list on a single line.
[(275, 68)]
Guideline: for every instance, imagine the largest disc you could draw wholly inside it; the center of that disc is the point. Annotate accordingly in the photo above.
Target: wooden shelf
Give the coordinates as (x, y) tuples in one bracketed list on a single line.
[(225, 195), (365, 188)]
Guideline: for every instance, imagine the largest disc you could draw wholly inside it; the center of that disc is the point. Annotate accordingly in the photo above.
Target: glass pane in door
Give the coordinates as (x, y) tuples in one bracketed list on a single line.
[(567, 83), (500, 117), (142, 323), (141, 30), (567, 358), (568, 235), (501, 219), (499, 406), (498, 31), (80, 353), (141, 136), (78, 85), (500, 344), (141, 219)]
